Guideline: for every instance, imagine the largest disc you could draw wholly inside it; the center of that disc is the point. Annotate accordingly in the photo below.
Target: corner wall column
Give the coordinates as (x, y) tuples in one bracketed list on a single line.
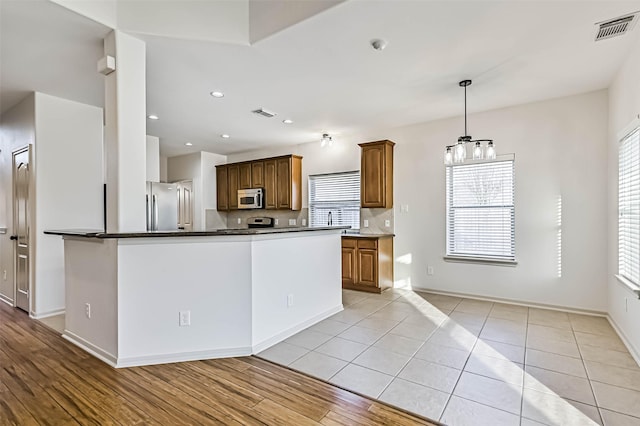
[(125, 133)]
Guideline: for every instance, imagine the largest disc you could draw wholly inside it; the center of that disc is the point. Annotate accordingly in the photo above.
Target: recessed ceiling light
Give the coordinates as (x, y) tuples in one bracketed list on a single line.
[(188, 144), (217, 94), (152, 117), (226, 136), (287, 121)]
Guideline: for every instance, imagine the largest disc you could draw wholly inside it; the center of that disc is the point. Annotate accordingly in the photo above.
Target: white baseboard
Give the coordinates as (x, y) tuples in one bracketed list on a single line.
[(635, 353), (182, 357), (259, 347), (48, 314), (6, 300), (94, 350), (514, 302)]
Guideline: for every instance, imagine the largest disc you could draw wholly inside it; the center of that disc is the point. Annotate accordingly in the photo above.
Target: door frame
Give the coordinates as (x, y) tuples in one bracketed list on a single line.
[(31, 275)]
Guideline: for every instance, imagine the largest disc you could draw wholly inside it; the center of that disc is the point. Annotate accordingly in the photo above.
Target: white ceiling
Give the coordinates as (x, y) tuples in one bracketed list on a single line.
[(322, 72)]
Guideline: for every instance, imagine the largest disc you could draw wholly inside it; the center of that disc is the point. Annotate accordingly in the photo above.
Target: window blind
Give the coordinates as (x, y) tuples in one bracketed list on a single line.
[(335, 193), (480, 210), (629, 207)]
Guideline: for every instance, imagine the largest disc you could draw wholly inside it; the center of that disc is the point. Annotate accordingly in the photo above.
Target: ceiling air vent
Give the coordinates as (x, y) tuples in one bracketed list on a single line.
[(263, 112), (616, 27)]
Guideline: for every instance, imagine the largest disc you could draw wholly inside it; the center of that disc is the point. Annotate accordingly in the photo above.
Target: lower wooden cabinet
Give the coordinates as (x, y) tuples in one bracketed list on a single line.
[(367, 263)]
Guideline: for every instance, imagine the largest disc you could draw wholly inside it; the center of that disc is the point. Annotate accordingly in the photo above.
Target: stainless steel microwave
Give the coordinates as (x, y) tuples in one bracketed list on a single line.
[(251, 198)]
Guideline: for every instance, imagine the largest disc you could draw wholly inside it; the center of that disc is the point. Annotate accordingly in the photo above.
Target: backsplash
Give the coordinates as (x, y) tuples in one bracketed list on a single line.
[(375, 217), (282, 216)]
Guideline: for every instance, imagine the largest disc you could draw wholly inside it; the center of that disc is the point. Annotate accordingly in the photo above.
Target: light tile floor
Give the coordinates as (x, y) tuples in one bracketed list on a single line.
[(471, 362)]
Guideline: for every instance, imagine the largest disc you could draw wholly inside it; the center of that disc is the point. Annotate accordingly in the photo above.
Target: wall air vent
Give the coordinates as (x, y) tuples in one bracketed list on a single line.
[(263, 112), (616, 27)]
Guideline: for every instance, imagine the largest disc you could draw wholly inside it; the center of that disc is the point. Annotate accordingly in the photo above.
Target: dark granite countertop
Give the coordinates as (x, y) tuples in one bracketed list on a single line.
[(94, 233), (359, 235)]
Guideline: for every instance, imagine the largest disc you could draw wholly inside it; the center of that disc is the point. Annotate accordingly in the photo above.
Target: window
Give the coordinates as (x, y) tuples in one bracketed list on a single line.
[(629, 207), (480, 210), (337, 194)]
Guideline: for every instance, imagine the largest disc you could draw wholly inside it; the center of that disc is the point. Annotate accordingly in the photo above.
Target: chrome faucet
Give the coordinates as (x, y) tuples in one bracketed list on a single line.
[(329, 220)]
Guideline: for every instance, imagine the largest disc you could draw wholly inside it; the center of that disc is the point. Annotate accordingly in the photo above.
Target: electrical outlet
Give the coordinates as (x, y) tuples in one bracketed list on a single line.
[(239, 221), (429, 270), (290, 300), (304, 222), (366, 223), (185, 318), (292, 222), (404, 208), (275, 222), (87, 310), (387, 223)]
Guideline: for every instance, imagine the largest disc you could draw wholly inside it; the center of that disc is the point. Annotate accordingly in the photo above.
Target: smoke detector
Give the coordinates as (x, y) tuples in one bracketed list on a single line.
[(378, 44), (263, 112), (616, 27)]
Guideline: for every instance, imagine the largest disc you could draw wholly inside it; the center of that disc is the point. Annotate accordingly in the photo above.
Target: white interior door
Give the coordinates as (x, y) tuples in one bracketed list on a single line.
[(21, 178)]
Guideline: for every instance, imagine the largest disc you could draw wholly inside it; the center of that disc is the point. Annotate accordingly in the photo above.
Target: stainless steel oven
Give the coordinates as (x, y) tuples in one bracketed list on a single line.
[(251, 198)]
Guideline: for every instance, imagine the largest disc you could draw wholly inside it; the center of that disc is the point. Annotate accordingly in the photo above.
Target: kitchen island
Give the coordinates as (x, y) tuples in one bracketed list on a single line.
[(156, 297)]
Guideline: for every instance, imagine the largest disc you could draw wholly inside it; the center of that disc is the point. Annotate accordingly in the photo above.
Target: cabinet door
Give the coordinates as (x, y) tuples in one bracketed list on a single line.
[(222, 188), (257, 174), (232, 176), (348, 265), (270, 187), (283, 193), (372, 176), (367, 267), (244, 180)]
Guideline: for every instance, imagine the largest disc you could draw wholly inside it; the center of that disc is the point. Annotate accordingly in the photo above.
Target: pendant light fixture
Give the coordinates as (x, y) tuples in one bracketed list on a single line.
[(457, 153), (326, 140)]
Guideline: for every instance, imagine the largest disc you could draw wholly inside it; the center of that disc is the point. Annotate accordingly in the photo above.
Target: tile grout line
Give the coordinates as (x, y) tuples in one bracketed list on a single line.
[(524, 366), (584, 365)]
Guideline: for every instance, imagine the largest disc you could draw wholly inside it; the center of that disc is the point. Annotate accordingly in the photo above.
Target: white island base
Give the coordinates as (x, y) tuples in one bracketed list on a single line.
[(126, 297)]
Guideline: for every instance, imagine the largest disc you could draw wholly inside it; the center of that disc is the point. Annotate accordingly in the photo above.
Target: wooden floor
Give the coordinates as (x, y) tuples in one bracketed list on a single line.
[(46, 380)]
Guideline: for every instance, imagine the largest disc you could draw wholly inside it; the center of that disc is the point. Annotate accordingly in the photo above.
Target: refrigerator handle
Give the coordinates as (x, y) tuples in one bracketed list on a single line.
[(154, 220), (148, 214)]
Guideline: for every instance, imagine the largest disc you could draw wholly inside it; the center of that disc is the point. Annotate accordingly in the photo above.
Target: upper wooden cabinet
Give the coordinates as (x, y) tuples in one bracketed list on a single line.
[(270, 184), (257, 174), (281, 178), (376, 174), (233, 180), (222, 188), (244, 176)]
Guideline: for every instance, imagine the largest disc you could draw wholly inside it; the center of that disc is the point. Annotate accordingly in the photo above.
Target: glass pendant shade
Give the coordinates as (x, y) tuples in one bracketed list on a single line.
[(491, 151), (477, 151), (460, 153), (448, 157)]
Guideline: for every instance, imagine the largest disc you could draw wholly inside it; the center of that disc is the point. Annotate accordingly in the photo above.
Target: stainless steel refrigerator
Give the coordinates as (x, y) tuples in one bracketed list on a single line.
[(162, 206)]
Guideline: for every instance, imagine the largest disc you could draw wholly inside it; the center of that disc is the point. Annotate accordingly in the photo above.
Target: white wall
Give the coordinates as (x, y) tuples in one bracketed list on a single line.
[(153, 159), (209, 199), (200, 168), (69, 188), (163, 168), (560, 147), (17, 129), (624, 107), (188, 167), (66, 191)]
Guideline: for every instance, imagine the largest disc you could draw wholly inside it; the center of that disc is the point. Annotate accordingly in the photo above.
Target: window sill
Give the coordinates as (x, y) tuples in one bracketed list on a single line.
[(631, 286), (481, 260)]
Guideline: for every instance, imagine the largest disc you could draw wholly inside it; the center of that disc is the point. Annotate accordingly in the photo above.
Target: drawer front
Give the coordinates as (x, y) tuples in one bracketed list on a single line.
[(368, 243), (349, 243)]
